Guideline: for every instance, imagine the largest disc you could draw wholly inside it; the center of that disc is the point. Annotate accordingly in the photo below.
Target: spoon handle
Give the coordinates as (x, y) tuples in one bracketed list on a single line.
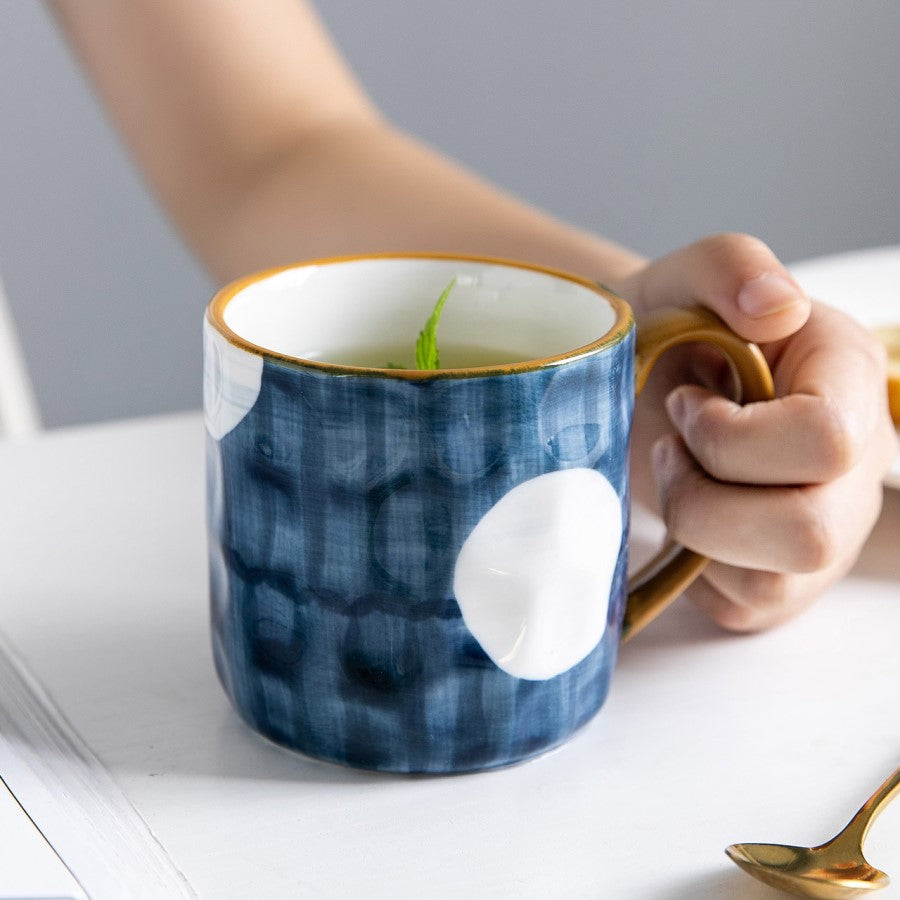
[(857, 828)]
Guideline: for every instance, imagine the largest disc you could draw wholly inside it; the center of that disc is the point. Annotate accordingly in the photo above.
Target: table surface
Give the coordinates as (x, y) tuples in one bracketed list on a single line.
[(706, 738)]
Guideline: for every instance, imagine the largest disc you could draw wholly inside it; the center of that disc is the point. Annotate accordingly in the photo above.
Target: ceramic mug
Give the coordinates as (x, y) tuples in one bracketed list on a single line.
[(425, 571)]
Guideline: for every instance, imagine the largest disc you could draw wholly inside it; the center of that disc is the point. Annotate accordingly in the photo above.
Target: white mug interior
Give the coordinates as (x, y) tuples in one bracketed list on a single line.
[(323, 311)]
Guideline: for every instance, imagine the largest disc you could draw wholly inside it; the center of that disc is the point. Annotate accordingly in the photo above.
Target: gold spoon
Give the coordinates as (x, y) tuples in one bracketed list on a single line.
[(834, 869)]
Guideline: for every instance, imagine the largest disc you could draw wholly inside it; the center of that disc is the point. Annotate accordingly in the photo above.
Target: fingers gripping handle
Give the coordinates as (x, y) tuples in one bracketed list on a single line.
[(667, 575)]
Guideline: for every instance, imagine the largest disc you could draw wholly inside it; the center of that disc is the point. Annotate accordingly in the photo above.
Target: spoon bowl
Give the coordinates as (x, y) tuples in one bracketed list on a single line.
[(806, 871), (835, 869)]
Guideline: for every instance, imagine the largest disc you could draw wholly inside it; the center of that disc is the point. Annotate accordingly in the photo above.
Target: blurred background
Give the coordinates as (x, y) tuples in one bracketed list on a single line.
[(652, 122)]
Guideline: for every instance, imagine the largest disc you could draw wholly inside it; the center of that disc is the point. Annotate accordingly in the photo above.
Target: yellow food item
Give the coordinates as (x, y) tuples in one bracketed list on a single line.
[(890, 337)]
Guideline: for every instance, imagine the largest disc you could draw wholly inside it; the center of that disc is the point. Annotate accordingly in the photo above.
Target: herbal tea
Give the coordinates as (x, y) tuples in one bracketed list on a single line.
[(427, 355)]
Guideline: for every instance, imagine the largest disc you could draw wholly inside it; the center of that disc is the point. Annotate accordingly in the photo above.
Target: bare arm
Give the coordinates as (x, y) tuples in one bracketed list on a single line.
[(264, 149)]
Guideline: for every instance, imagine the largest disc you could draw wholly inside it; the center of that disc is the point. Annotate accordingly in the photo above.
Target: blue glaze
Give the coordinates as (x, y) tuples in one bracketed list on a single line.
[(337, 508)]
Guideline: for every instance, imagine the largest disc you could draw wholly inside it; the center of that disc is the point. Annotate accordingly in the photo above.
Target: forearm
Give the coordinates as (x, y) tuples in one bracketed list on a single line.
[(363, 187), (263, 148)]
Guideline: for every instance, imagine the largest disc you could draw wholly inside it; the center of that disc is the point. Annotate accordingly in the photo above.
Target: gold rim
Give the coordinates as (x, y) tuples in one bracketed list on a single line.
[(215, 315)]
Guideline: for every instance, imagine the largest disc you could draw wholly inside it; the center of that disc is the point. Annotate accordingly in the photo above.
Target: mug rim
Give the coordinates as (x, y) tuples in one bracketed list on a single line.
[(624, 319)]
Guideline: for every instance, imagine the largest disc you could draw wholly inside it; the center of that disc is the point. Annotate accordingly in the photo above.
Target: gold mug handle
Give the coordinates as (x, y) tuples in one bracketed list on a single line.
[(660, 581)]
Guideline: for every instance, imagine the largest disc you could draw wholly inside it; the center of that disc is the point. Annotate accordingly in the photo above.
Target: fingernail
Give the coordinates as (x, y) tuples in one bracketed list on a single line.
[(660, 454), (767, 294), (676, 407)]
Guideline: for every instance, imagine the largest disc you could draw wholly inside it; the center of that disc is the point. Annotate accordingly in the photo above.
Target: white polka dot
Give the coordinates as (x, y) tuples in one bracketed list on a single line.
[(533, 578), (231, 382)]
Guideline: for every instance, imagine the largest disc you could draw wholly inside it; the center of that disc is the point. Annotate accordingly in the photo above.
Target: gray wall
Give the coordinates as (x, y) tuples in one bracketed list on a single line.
[(653, 122)]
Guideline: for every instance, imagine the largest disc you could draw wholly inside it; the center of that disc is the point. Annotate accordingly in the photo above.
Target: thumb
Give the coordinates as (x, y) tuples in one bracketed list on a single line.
[(735, 275)]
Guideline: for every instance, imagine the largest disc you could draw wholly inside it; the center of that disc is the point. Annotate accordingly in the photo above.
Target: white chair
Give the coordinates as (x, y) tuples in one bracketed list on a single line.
[(18, 407)]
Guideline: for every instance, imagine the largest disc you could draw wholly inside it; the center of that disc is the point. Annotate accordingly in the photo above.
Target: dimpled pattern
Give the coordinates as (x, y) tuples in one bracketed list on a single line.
[(337, 507)]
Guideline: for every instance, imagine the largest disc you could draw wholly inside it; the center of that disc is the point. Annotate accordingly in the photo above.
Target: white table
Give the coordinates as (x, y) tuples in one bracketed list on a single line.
[(706, 738)]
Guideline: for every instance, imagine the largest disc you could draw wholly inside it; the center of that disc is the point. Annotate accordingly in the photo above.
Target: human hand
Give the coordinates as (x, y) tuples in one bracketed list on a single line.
[(780, 495)]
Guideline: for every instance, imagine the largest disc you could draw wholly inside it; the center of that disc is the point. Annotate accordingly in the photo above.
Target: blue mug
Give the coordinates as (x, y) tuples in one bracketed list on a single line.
[(426, 571)]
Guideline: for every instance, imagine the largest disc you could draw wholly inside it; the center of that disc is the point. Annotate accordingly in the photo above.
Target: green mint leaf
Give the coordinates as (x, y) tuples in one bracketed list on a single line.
[(427, 356)]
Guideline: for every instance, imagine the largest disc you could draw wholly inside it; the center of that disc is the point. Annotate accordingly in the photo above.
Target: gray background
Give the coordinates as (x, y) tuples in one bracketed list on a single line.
[(651, 122)]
